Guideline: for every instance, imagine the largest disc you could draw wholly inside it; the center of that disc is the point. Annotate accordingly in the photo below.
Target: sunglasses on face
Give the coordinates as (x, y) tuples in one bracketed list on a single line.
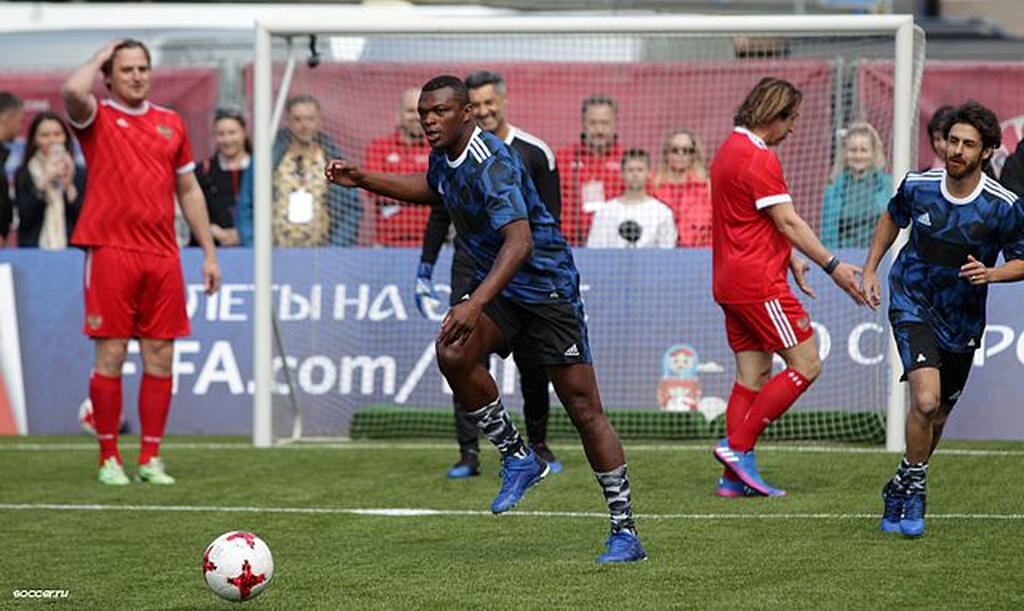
[(682, 150)]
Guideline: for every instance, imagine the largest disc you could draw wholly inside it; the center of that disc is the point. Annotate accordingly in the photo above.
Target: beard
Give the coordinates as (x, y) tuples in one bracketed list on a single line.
[(962, 169)]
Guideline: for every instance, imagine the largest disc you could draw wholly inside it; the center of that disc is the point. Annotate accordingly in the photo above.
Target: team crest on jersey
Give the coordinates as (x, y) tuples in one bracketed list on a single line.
[(94, 321), (165, 131)]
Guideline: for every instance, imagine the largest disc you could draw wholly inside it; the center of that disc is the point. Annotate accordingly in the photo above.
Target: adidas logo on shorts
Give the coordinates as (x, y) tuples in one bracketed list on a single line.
[(572, 351), (921, 358)]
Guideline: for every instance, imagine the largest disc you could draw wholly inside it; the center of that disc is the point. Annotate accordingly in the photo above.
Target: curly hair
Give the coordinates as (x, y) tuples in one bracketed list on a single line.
[(980, 118)]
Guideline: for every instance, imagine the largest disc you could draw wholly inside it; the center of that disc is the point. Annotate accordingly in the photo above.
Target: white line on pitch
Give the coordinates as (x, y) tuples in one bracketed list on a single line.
[(405, 512), (358, 445)]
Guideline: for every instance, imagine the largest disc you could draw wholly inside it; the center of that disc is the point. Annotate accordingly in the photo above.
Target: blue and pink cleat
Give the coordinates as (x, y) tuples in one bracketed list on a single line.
[(744, 465), (730, 488)]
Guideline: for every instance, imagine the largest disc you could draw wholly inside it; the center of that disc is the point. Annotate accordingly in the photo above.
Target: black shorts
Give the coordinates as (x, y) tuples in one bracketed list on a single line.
[(918, 348), (462, 277), (553, 333)]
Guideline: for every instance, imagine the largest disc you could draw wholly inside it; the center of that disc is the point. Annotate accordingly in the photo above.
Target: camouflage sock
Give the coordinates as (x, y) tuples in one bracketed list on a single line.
[(494, 423), (615, 485)]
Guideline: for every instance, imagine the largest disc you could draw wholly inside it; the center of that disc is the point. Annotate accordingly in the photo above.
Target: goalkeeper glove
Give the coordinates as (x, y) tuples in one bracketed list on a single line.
[(427, 301)]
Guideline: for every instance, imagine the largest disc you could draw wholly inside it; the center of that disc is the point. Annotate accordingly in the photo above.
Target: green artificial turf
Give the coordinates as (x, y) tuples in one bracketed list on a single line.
[(705, 552)]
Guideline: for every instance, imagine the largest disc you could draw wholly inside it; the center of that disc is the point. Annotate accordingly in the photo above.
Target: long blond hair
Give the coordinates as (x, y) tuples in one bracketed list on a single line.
[(859, 128), (699, 169), (772, 98)]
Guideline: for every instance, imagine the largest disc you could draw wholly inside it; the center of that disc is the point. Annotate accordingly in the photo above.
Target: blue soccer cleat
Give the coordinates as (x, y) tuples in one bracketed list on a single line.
[(468, 466), (623, 546), (893, 512), (912, 524), (744, 465), (545, 454), (728, 488), (517, 476)]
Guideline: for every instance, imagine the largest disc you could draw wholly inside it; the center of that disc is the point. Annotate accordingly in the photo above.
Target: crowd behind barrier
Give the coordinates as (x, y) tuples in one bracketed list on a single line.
[(44, 176)]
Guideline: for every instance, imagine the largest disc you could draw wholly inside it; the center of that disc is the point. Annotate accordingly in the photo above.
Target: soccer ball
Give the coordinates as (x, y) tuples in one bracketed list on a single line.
[(87, 420), (238, 566)]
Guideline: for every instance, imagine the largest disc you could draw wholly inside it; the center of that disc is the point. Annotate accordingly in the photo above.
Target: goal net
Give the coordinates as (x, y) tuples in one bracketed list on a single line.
[(352, 355)]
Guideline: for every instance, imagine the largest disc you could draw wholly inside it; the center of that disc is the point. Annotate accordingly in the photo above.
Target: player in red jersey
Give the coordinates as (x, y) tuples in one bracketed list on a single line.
[(139, 159), (755, 229)]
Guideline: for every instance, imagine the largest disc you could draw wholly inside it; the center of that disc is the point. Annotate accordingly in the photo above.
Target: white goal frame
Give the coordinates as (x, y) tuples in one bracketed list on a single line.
[(340, 22)]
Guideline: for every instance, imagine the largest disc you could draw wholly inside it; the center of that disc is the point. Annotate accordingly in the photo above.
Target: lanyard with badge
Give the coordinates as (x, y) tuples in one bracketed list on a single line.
[(300, 201)]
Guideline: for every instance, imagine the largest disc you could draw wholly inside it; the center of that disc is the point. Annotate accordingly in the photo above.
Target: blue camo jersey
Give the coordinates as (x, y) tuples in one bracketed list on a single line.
[(486, 188), (924, 283)]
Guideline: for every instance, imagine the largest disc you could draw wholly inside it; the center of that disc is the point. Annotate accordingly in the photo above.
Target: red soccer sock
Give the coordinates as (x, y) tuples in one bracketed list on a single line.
[(737, 411), (154, 405), (772, 401), (105, 394)]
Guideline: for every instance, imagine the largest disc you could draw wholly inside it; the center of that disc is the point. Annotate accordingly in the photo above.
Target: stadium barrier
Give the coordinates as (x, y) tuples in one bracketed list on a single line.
[(386, 363)]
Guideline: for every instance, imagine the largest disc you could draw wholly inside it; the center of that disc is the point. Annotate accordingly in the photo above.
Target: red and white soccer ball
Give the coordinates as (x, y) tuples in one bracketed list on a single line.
[(238, 566), (87, 420)]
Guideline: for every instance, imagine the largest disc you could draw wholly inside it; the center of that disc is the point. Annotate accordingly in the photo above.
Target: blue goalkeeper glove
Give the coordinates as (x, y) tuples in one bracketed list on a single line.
[(427, 301)]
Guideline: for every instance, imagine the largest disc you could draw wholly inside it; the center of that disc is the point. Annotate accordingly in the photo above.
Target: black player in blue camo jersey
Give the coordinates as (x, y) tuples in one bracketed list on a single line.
[(525, 296), (960, 219)]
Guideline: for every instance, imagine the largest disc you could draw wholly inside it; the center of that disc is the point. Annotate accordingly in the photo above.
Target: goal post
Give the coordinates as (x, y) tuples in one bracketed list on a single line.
[(891, 41)]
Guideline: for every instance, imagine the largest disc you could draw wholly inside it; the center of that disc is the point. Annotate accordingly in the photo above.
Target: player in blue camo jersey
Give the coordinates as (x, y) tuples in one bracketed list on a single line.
[(525, 296), (961, 219)]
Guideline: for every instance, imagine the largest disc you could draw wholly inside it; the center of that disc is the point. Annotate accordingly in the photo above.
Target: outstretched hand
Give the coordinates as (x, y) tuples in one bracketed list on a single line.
[(344, 173), (871, 286), (845, 277)]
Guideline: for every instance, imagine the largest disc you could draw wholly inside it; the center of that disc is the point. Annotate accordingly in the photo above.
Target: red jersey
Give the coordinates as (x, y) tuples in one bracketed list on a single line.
[(588, 180), (397, 223), (690, 202), (134, 157), (750, 255)]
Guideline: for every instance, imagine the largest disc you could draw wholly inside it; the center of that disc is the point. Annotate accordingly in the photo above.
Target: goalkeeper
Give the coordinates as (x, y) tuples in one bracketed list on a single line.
[(487, 95)]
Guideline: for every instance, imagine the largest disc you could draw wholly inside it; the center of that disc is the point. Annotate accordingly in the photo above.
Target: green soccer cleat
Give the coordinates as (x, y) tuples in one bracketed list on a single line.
[(112, 473), (153, 473)]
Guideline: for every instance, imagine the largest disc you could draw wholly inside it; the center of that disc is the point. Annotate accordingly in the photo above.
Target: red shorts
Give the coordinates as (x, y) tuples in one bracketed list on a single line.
[(768, 326), (133, 294)]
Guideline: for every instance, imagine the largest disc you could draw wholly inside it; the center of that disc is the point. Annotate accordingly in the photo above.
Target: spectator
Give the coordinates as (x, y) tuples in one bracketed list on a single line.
[(220, 176), (858, 190), (12, 114), (634, 220), (1012, 176), (591, 173), (681, 181), (306, 210), (937, 136), (404, 151), (49, 187)]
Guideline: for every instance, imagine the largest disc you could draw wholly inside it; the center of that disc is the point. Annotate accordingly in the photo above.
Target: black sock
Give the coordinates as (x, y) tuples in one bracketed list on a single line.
[(494, 423), (615, 485)]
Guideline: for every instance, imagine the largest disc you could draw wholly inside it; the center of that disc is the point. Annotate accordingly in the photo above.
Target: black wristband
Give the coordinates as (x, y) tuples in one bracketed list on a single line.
[(831, 266)]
